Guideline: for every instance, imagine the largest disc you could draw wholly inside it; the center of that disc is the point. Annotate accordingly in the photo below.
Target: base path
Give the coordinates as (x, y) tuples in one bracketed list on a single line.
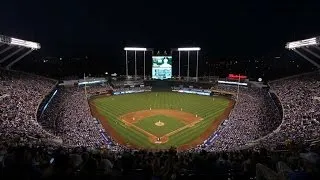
[(185, 117), (180, 129), (140, 129)]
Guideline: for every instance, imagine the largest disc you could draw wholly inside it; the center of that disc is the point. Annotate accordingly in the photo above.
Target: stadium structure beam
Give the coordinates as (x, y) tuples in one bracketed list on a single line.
[(10, 55), (135, 49), (188, 49), (6, 49), (308, 59), (317, 47), (314, 54), (18, 59)]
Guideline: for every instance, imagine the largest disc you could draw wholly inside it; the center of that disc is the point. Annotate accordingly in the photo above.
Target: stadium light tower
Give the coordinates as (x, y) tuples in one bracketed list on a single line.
[(21, 44), (24, 43), (188, 49), (135, 49), (304, 44)]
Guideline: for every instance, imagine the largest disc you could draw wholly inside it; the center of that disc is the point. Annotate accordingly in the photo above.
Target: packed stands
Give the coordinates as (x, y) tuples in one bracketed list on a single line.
[(301, 109), (22, 93), (70, 118), (256, 118), (64, 163), (253, 116)]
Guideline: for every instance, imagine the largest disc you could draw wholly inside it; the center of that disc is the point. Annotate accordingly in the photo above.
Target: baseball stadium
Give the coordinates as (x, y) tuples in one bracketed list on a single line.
[(161, 118), (158, 113)]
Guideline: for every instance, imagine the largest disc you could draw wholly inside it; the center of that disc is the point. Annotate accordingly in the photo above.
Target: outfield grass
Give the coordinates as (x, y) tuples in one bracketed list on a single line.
[(170, 124), (115, 106)]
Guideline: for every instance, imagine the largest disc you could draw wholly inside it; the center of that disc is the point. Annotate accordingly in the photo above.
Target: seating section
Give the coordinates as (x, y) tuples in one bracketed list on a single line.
[(301, 109), (253, 116), (21, 94), (70, 117), (87, 151)]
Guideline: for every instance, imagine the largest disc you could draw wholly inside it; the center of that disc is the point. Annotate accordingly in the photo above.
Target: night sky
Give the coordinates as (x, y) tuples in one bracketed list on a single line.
[(100, 29)]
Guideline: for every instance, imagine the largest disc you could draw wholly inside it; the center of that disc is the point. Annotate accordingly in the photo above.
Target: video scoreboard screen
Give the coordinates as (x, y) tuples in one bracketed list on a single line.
[(161, 67)]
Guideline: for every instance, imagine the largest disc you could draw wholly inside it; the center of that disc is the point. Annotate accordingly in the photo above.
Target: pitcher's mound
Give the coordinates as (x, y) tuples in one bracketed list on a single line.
[(159, 123)]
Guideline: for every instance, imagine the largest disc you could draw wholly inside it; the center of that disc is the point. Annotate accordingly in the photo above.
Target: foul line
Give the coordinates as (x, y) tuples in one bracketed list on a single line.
[(139, 129), (182, 128), (166, 135)]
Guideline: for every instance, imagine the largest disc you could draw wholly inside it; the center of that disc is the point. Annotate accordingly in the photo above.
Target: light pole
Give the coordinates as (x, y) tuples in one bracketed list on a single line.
[(144, 65), (311, 42), (197, 68), (21, 44), (188, 66), (135, 49), (127, 73), (179, 67), (135, 65), (188, 50), (238, 87)]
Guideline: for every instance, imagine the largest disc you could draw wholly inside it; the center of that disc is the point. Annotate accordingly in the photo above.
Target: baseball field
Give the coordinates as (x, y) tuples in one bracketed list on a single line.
[(159, 120)]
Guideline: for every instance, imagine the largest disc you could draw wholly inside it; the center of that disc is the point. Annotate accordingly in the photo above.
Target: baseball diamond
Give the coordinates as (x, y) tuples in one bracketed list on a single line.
[(159, 120)]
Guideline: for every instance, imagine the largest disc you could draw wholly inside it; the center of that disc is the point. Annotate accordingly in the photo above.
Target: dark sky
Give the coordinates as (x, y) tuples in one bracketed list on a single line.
[(103, 28)]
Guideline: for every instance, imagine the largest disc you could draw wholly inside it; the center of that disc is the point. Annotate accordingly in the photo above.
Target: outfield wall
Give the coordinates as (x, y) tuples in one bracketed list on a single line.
[(171, 83)]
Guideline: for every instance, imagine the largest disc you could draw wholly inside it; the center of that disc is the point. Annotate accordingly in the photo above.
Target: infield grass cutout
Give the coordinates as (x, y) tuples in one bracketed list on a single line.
[(170, 124)]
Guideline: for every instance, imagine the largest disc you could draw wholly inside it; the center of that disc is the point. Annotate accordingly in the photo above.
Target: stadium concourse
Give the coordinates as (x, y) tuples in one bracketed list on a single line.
[(64, 140)]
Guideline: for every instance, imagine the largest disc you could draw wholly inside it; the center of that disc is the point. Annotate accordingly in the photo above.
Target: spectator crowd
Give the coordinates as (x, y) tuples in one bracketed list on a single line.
[(301, 109), (21, 95), (68, 117), (254, 115), (45, 162), (26, 148)]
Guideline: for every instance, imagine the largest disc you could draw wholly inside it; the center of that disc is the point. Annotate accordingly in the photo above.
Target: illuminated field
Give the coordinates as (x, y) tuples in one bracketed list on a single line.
[(171, 119)]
